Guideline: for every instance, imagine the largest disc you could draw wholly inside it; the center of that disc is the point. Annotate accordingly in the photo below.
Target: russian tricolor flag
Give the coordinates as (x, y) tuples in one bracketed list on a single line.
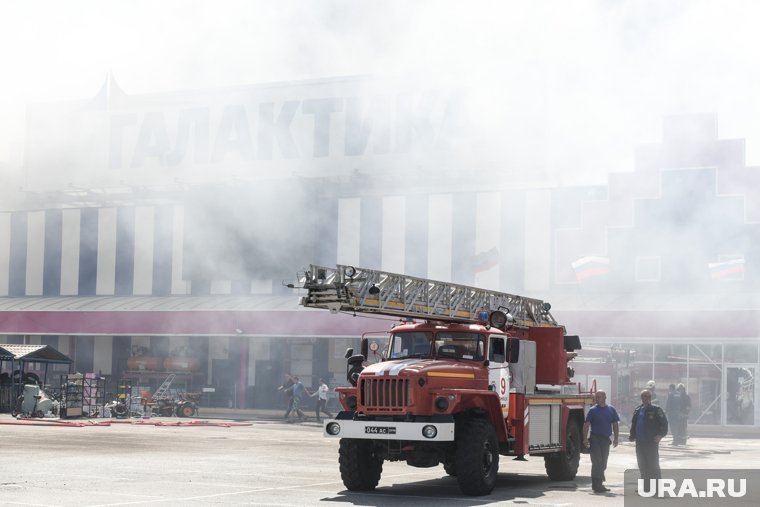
[(729, 270), (590, 266)]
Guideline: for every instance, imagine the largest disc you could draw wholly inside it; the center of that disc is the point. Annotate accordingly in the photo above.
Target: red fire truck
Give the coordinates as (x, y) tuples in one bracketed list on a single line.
[(467, 375)]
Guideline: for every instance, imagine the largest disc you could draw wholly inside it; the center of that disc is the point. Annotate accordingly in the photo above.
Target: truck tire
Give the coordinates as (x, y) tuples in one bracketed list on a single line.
[(477, 456), (451, 468), (360, 468), (563, 466)]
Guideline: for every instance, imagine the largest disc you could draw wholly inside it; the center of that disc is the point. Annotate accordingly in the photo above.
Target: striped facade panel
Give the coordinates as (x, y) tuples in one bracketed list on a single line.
[(106, 252), (139, 250), (179, 286), (144, 248), (416, 236), (538, 241), (70, 244), (326, 240), (89, 227), (439, 237), (486, 266), (5, 252), (17, 260), (512, 243), (349, 215), (463, 237), (394, 230), (163, 237), (124, 259), (35, 252), (371, 232), (51, 277)]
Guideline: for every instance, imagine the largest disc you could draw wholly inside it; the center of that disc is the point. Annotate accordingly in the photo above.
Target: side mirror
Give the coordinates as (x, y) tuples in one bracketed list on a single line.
[(349, 352), (365, 347), (572, 342), (354, 368)]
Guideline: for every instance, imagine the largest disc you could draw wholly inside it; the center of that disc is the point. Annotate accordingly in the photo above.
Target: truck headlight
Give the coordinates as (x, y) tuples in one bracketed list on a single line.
[(333, 428), (429, 431), (441, 404), (351, 402)]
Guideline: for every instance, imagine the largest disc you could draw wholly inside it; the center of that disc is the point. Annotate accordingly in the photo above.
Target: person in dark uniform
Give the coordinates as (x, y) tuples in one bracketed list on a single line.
[(683, 406), (648, 426), (603, 420), (671, 411)]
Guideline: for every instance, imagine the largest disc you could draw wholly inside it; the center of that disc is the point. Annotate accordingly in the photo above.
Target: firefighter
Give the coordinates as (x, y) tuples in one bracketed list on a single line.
[(648, 426), (651, 387), (682, 407)]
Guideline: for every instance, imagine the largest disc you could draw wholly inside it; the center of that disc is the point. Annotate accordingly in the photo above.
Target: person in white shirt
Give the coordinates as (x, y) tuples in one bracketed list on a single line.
[(321, 392)]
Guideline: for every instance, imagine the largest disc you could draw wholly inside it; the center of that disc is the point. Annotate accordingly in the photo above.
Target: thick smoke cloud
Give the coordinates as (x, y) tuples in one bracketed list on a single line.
[(584, 81)]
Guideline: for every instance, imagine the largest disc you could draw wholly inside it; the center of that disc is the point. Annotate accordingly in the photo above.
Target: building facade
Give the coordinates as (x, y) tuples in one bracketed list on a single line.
[(656, 269)]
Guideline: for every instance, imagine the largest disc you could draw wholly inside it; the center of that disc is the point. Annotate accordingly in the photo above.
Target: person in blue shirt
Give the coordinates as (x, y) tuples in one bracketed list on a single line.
[(648, 426), (602, 420), (299, 391)]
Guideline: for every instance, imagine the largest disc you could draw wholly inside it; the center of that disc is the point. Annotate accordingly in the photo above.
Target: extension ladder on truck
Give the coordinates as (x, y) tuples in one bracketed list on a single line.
[(346, 288)]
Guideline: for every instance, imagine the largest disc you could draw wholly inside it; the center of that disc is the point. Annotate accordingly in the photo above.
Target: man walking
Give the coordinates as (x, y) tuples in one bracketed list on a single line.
[(321, 394), (298, 390), (286, 387), (648, 426), (603, 420)]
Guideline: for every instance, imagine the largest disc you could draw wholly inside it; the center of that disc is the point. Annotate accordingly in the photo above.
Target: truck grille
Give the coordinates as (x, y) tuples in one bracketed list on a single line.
[(385, 394)]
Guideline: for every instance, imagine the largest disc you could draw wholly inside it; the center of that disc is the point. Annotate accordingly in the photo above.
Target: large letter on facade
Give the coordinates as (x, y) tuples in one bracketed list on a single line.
[(414, 128), (360, 125), (269, 128), (118, 123), (196, 121), (233, 134), (153, 140), (322, 109)]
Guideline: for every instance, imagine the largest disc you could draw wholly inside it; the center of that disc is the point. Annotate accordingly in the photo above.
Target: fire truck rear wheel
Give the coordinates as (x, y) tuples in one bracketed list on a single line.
[(360, 467), (563, 466), (477, 456)]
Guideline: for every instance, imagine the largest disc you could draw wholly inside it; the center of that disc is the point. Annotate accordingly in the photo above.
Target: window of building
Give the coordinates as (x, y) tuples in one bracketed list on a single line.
[(648, 269)]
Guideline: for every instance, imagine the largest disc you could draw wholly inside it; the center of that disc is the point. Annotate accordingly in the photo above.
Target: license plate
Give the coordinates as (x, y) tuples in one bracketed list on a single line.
[(380, 430)]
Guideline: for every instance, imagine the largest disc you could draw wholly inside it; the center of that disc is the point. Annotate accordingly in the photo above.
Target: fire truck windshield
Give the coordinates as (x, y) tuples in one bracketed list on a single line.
[(411, 344), (459, 345), (453, 345)]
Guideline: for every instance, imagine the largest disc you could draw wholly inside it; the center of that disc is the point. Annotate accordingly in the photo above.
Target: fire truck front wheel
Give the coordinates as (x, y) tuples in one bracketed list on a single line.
[(477, 456), (360, 467), (563, 466)]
